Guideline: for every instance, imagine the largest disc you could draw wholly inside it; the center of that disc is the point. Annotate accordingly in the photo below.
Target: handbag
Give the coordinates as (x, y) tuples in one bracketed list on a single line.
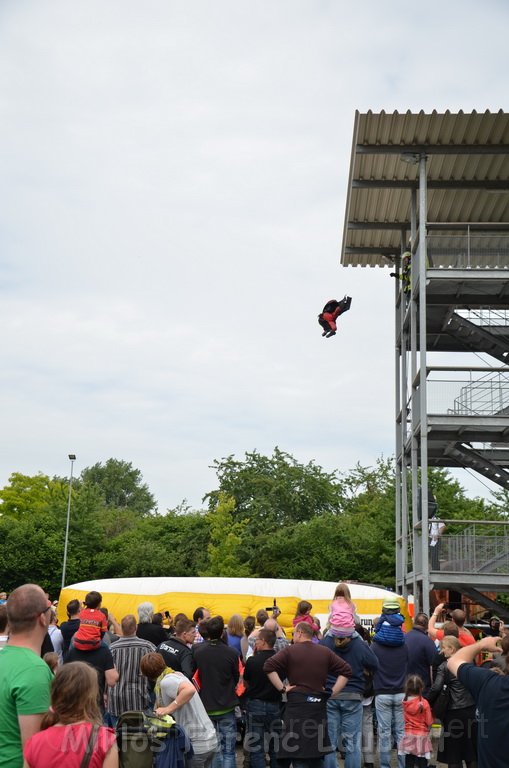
[(441, 703)]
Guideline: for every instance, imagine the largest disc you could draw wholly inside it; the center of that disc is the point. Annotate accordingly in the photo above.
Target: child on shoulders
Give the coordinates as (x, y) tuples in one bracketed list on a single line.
[(93, 624), (342, 613), (388, 628)]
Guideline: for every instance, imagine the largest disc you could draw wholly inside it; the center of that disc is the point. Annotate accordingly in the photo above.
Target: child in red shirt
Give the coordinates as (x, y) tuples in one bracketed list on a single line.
[(93, 624)]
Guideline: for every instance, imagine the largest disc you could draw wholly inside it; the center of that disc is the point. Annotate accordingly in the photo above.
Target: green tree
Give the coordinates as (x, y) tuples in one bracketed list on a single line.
[(32, 549), (33, 516), (355, 543), (27, 495), (225, 540), (121, 486), (369, 522), (271, 491), (159, 545)]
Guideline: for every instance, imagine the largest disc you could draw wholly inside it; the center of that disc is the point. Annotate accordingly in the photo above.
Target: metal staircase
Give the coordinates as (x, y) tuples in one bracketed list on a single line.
[(491, 605), (476, 338), (466, 456)]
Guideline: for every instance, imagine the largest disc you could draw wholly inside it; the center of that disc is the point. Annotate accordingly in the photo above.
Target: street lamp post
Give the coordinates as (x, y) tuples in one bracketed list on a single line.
[(72, 459)]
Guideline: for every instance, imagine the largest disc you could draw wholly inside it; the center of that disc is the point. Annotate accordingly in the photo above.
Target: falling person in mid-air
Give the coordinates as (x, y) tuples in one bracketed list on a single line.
[(332, 310)]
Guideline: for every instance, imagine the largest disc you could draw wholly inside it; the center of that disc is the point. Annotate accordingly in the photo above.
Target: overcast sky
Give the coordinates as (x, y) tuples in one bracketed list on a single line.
[(172, 191)]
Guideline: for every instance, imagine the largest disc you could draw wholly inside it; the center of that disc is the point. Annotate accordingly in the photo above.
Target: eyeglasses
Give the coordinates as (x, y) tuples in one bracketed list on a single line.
[(45, 610)]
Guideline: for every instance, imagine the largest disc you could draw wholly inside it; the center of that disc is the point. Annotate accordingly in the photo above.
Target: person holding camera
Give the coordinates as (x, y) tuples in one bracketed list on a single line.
[(493, 628), (459, 617)]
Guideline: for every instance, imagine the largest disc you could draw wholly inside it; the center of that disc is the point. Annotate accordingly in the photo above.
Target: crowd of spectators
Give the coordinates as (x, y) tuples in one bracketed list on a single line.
[(307, 701)]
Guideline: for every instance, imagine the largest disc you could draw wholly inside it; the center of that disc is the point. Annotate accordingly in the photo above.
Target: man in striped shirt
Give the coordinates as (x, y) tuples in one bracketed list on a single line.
[(132, 691)]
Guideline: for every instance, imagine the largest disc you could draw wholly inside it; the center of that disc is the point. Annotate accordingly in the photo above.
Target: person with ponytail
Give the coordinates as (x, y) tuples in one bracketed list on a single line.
[(71, 734)]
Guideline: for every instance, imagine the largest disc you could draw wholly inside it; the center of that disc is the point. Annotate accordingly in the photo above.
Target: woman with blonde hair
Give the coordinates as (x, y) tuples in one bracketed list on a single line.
[(249, 625), (72, 727), (235, 632), (459, 721)]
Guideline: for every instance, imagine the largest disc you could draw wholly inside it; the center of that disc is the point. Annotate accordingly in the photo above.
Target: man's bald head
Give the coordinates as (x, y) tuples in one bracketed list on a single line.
[(24, 606), (459, 617), (272, 625)]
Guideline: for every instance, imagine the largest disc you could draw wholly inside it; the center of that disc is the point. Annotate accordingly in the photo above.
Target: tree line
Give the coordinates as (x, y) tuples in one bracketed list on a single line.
[(269, 516)]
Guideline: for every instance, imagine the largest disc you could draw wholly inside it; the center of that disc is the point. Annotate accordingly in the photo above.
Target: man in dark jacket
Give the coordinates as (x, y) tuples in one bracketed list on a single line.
[(389, 684), (218, 667), (176, 651), (344, 712), (421, 650)]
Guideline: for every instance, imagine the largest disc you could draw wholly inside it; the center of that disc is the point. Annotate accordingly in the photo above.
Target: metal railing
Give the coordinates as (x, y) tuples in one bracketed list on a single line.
[(481, 548), (468, 250), (486, 317), (486, 395)]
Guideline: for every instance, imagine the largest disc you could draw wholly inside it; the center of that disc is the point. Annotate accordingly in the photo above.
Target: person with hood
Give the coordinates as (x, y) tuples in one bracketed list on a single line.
[(416, 743), (344, 711), (388, 628)]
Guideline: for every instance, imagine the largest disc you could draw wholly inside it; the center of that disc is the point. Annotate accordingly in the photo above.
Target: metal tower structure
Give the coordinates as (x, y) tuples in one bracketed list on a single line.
[(428, 195)]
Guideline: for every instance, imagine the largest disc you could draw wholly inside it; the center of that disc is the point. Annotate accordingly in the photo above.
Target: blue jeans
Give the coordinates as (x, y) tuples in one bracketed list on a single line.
[(263, 730), (226, 729), (110, 720), (389, 714), (344, 723)]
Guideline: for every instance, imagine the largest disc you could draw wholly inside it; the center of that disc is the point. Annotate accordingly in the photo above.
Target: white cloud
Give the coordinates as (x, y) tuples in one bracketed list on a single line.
[(174, 180)]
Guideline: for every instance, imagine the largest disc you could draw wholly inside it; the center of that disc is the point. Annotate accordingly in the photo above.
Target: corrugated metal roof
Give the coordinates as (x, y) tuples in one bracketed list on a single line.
[(467, 171)]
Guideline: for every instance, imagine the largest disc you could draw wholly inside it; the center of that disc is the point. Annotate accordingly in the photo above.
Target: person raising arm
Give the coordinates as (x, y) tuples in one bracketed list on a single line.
[(491, 694)]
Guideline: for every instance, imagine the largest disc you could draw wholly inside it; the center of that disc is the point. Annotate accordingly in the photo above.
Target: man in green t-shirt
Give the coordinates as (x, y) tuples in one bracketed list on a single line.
[(25, 679)]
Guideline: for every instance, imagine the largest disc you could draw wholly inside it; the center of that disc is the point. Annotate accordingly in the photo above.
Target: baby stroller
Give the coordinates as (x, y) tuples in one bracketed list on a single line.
[(140, 736)]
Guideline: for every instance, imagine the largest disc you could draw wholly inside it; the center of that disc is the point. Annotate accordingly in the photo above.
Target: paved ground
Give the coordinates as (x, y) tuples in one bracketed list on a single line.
[(394, 761)]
